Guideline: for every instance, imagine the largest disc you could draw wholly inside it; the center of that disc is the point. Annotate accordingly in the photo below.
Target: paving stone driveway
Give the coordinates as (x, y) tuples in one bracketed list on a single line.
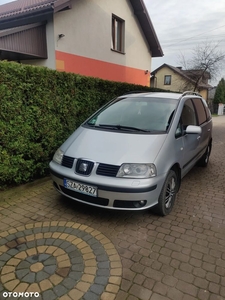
[(64, 250)]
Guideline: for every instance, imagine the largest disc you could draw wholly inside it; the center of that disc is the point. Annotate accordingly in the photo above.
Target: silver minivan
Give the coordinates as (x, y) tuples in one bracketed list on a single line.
[(133, 152)]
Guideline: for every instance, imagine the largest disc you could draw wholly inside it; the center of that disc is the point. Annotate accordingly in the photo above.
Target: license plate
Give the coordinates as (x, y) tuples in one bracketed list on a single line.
[(80, 187)]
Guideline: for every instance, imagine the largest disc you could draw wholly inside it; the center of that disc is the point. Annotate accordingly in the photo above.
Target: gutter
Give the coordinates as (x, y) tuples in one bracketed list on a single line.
[(25, 18)]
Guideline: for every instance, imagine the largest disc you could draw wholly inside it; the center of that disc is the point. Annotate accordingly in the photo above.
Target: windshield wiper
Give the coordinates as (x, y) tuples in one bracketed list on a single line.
[(122, 127), (92, 125)]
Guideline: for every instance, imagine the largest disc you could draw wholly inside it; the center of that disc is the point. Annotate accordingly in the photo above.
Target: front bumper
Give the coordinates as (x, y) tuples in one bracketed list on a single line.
[(113, 193)]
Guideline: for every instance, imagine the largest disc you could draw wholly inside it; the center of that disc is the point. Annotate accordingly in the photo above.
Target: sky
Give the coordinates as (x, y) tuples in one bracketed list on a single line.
[(180, 25)]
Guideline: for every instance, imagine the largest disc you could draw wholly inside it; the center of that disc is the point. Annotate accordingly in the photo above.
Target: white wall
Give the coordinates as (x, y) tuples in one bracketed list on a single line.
[(87, 30)]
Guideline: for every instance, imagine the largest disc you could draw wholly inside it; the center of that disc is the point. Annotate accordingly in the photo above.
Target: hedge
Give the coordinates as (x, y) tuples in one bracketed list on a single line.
[(39, 109)]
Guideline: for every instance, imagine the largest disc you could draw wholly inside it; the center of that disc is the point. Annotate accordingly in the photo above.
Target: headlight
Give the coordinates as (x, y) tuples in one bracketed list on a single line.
[(58, 156), (137, 171)]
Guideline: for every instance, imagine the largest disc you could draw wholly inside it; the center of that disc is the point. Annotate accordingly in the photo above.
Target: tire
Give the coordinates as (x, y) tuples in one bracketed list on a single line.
[(168, 194), (203, 162)]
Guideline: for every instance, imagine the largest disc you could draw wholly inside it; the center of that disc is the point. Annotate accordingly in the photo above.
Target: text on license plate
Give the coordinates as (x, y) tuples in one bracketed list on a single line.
[(80, 187)]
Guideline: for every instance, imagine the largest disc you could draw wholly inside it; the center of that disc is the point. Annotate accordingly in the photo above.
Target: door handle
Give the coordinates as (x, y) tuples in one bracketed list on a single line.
[(198, 138)]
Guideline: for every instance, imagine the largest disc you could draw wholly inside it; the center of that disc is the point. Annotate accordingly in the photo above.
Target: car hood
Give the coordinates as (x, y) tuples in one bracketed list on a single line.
[(113, 147)]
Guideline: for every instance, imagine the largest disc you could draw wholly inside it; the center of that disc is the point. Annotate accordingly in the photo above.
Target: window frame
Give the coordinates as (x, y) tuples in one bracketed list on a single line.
[(117, 34), (170, 79)]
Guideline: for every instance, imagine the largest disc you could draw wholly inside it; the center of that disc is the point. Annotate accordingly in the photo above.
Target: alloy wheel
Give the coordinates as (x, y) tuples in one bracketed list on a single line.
[(170, 192)]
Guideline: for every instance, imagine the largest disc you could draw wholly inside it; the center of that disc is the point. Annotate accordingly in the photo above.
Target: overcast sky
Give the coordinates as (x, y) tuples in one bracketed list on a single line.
[(181, 24)]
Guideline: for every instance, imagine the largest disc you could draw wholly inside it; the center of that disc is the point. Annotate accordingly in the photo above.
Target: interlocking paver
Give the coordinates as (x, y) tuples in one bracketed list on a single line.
[(65, 250)]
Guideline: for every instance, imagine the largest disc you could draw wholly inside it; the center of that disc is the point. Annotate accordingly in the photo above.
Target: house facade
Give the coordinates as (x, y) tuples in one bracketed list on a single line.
[(113, 40), (175, 79)]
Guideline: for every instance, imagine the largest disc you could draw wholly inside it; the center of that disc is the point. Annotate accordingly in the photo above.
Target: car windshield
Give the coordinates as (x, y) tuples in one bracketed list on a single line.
[(145, 114)]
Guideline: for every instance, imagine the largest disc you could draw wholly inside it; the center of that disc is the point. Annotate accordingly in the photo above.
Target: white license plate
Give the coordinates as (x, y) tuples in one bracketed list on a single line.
[(80, 187)]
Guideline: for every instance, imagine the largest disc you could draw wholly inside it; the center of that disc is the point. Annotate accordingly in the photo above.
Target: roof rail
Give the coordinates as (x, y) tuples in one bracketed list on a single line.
[(191, 93), (136, 92)]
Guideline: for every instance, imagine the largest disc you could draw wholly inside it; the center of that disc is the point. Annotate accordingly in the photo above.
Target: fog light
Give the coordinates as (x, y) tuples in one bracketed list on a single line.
[(138, 204)]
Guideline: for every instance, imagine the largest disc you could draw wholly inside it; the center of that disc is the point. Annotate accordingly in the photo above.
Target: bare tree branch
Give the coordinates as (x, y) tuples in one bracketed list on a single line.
[(206, 62)]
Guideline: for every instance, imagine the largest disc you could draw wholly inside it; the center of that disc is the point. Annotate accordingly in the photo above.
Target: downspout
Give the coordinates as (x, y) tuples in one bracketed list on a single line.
[(154, 81)]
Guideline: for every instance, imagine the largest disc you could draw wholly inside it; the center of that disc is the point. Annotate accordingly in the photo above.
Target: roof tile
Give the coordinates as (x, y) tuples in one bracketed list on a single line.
[(21, 6)]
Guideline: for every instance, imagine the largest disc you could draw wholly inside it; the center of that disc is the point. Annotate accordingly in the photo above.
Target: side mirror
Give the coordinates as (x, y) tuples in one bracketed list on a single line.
[(192, 129)]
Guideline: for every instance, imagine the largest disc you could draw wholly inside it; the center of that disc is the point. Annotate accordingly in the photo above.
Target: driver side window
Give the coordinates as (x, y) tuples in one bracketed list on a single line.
[(188, 117)]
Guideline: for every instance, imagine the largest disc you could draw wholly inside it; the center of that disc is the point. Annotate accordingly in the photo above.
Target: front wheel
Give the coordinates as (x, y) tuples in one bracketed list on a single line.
[(168, 194)]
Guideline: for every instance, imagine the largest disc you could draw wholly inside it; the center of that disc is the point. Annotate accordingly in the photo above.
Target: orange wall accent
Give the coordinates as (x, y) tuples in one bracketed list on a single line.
[(97, 68), (60, 65)]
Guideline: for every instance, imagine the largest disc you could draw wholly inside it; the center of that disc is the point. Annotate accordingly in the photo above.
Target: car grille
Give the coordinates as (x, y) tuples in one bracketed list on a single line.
[(84, 167), (103, 169), (85, 198), (67, 161), (107, 170)]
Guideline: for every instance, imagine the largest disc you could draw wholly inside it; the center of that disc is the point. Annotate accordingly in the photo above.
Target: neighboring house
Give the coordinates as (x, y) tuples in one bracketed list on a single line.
[(113, 40), (212, 92), (213, 106), (175, 79)]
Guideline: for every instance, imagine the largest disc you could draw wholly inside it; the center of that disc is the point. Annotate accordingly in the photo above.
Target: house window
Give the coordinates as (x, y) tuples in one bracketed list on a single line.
[(167, 80), (118, 26)]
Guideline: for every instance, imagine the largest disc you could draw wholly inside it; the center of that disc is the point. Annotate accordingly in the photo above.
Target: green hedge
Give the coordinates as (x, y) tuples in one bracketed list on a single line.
[(39, 109)]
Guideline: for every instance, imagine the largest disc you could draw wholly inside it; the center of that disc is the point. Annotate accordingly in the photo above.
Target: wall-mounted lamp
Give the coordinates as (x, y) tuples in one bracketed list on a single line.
[(61, 35), (146, 72)]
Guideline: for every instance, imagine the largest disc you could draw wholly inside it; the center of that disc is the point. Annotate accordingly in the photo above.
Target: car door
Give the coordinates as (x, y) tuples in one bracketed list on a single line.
[(190, 141), (203, 122)]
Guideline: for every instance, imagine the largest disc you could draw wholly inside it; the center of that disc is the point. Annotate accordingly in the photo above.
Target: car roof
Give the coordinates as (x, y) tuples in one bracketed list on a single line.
[(165, 95), (175, 96)]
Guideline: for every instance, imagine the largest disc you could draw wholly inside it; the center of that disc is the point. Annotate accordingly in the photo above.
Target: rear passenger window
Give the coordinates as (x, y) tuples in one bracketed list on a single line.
[(202, 117)]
